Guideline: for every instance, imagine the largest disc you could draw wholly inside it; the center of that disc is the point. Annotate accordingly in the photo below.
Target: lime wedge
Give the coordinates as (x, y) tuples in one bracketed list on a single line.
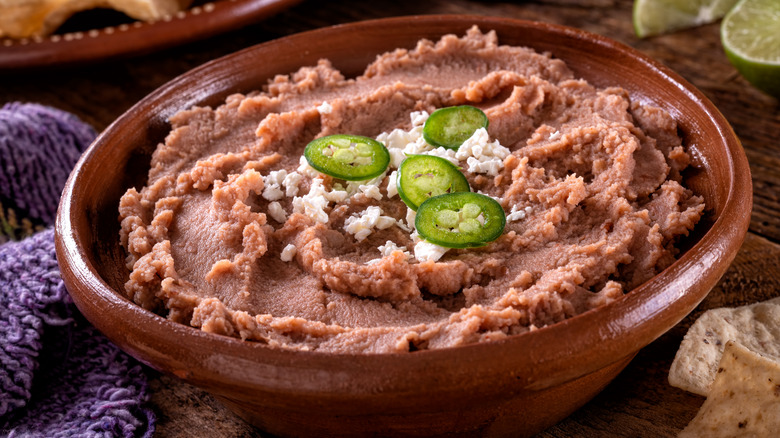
[(751, 37), (655, 17)]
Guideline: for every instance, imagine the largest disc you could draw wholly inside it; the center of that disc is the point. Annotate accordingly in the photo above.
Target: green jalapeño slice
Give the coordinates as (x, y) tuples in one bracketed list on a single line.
[(450, 127), (423, 176), (349, 157), (460, 220)]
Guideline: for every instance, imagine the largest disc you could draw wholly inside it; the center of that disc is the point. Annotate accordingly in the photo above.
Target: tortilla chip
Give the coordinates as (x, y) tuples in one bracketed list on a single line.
[(756, 327), (744, 399), (38, 18)]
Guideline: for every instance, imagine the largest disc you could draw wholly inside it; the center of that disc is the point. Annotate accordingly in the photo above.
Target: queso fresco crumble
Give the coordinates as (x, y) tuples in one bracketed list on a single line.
[(479, 155)]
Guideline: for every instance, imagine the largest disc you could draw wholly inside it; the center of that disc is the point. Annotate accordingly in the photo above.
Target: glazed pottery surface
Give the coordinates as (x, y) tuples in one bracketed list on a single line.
[(121, 40), (516, 386)]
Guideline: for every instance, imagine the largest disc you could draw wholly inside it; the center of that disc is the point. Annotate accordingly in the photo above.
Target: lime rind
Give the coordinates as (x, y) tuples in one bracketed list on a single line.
[(752, 31), (750, 34), (656, 17)]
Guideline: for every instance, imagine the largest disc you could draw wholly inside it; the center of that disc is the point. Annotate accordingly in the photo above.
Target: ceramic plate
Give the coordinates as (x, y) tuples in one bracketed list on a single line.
[(133, 37)]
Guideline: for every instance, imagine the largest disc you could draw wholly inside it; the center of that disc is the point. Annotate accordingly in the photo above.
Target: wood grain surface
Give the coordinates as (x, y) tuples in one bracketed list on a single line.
[(640, 402)]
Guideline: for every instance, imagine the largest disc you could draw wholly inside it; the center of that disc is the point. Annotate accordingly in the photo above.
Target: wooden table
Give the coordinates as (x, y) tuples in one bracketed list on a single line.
[(639, 402)]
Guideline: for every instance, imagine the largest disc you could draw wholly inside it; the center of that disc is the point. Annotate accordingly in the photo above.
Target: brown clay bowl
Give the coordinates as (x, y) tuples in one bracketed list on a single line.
[(517, 386)]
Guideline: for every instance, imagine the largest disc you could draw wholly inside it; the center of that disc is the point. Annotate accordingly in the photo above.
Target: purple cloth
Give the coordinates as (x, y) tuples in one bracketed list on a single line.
[(38, 148), (59, 377)]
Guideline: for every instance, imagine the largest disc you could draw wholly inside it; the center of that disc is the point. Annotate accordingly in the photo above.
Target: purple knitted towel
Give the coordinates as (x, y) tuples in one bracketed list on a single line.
[(59, 377), (38, 148)]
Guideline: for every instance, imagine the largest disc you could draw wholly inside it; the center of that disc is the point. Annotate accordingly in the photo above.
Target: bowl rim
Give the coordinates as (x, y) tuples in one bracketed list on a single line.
[(643, 308)]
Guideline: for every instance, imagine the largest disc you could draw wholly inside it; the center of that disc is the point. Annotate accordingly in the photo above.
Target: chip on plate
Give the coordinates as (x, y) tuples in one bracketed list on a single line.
[(744, 399), (756, 327), (39, 18)]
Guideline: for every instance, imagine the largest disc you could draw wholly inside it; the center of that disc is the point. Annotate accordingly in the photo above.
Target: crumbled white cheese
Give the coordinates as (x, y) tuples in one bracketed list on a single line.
[(411, 215), (482, 155), (516, 214), (400, 224), (401, 143), (368, 187), (313, 204), (371, 191), (419, 118), (336, 196), (291, 183), (389, 247), (272, 183), (413, 143), (490, 167), (395, 139), (362, 225), (272, 193), (397, 156), (392, 181), (425, 251), (398, 138), (276, 212), (447, 154), (325, 108), (288, 253), (305, 169)]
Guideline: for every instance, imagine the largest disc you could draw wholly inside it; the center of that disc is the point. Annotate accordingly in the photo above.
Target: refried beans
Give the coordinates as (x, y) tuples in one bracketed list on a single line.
[(236, 235)]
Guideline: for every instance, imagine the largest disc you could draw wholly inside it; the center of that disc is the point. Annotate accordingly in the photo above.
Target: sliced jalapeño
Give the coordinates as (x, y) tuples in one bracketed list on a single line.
[(348, 157), (460, 220), (450, 127), (423, 176)]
